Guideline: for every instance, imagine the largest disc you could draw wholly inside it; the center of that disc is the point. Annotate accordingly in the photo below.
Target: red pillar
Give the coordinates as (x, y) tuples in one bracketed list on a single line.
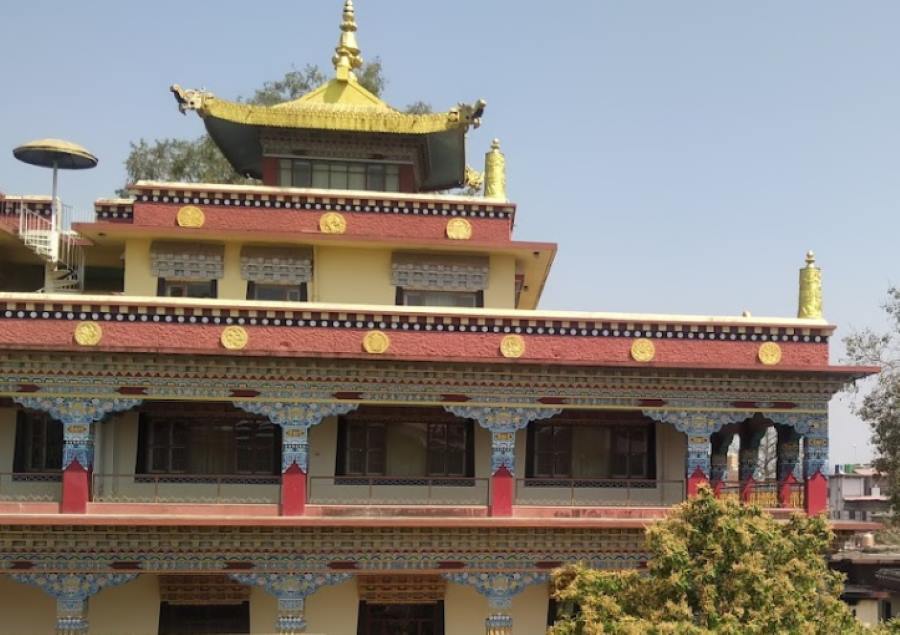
[(815, 494), (747, 488), (785, 489), (502, 492), (293, 491), (695, 480), (76, 489)]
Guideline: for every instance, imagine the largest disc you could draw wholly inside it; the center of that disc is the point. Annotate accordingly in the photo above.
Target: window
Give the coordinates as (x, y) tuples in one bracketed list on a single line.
[(206, 440), (412, 297), (39, 443), (401, 619), (585, 449), (187, 288), (201, 619), (339, 175), (415, 443), (276, 292)]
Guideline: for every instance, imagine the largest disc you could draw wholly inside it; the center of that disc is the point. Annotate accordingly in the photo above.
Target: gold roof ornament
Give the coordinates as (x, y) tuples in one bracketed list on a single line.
[(495, 172), (346, 54), (810, 300)]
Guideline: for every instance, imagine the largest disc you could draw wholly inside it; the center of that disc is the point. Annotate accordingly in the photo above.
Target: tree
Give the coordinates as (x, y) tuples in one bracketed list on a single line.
[(715, 567), (880, 407), (200, 161)]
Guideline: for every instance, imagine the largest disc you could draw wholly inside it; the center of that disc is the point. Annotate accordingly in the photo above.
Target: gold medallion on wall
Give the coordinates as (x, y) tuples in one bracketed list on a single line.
[(459, 229), (376, 342), (88, 334), (512, 346), (769, 353), (643, 350), (190, 216), (234, 338), (332, 223)]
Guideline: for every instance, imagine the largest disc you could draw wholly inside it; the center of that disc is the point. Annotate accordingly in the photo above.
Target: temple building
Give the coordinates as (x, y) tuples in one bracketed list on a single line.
[(329, 403)]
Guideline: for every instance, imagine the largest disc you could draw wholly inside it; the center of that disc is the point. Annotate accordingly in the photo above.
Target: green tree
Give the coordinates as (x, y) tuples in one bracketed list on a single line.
[(714, 567), (200, 161), (880, 407)]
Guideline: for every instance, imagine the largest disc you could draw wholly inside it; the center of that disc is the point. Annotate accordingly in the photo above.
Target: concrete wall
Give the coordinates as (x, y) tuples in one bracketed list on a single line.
[(347, 275), (465, 610)]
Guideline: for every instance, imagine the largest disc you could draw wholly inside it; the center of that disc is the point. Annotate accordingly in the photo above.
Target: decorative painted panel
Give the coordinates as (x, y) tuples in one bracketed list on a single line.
[(498, 588)]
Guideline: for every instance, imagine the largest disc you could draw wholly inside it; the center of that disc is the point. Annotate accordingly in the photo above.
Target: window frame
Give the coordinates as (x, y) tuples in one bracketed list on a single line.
[(163, 286), (23, 452), (432, 420), (159, 420), (377, 176), (253, 289), (402, 296), (630, 424)]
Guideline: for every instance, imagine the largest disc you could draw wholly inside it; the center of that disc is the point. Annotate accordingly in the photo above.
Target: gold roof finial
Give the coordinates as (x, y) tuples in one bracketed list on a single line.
[(346, 54), (810, 301), (495, 172)]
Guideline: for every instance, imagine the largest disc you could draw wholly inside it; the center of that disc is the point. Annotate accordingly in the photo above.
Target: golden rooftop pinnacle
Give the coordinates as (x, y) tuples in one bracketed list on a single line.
[(346, 55), (810, 300)]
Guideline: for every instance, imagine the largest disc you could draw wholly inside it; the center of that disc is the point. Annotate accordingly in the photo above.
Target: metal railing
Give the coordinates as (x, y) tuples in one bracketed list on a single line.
[(186, 488), (764, 494), (386, 490), (52, 240), (599, 492), (30, 486)]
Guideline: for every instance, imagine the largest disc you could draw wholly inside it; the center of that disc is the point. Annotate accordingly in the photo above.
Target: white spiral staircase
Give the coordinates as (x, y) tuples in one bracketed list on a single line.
[(58, 247)]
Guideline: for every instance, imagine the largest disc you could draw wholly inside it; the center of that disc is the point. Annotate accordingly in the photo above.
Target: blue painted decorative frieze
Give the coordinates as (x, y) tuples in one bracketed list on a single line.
[(291, 591), (503, 422), (77, 416), (295, 420), (498, 588), (72, 591)]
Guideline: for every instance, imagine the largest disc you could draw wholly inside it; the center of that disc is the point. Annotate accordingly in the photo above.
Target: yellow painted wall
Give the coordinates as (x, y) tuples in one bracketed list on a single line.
[(130, 609), (465, 610), (25, 610), (501, 291), (348, 275), (333, 610), (138, 280), (866, 611), (340, 275)]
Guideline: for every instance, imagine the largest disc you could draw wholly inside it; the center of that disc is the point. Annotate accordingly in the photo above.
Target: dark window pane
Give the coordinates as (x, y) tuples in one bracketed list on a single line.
[(376, 462), (302, 176)]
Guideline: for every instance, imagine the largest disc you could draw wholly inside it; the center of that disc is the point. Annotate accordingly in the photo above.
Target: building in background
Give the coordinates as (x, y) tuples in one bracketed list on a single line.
[(858, 492), (330, 402)]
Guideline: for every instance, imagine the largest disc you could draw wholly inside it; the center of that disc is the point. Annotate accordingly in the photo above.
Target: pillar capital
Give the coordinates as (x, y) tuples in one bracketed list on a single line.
[(77, 414), (291, 591), (499, 588), (503, 422), (71, 591), (295, 420)]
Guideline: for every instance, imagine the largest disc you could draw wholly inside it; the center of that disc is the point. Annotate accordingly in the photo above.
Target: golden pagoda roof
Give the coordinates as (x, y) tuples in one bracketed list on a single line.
[(340, 104)]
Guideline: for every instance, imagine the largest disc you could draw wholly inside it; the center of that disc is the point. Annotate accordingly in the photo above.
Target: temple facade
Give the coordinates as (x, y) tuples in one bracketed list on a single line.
[(329, 403)]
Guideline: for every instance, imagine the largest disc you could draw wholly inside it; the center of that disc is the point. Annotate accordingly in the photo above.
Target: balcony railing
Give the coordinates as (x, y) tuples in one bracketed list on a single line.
[(599, 492), (30, 486), (186, 488), (386, 490), (764, 494)]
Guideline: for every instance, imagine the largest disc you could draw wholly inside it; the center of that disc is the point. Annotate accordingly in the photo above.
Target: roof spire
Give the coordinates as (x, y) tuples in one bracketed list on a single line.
[(810, 304), (346, 54)]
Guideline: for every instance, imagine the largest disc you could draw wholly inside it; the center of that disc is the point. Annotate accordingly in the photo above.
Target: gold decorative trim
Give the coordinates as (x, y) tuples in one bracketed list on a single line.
[(769, 354), (234, 338), (643, 350), (459, 229), (332, 223), (376, 342), (190, 216), (512, 346), (88, 334), (77, 429)]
